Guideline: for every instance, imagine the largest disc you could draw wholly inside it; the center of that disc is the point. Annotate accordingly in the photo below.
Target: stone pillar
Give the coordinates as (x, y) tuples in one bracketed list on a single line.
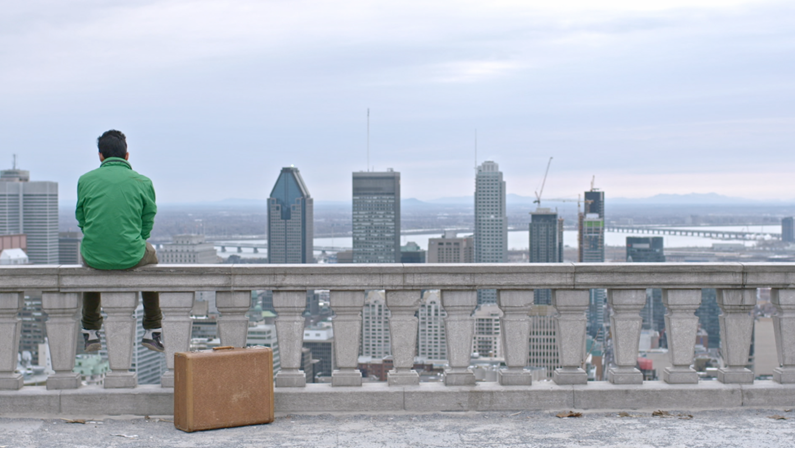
[(460, 327), (177, 326), (515, 334), (625, 324), (233, 322), (736, 330), (10, 327), (62, 330), (120, 337), (570, 329), (681, 325), (347, 324), (403, 332), (784, 327), (290, 306)]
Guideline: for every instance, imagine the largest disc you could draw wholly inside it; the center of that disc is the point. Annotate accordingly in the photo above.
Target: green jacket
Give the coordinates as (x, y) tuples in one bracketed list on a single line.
[(116, 211)]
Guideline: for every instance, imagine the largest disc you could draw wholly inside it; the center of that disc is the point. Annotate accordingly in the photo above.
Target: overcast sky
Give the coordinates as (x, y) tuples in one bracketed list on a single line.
[(215, 97)]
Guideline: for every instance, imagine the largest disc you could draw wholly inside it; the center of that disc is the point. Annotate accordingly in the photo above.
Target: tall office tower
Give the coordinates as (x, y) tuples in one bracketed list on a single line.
[(376, 217), (187, 249), (30, 207), (788, 230), (591, 247), (290, 220), (451, 249), (491, 222), (546, 244), (149, 365), (543, 344), (376, 342), (69, 248), (645, 249), (264, 334), (431, 334), (649, 249), (33, 331), (487, 341), (707, 314), (320, 340)]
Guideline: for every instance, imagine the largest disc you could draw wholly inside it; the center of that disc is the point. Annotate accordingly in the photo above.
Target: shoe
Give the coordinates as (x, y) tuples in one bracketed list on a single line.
[(152, 340), (91, 341)]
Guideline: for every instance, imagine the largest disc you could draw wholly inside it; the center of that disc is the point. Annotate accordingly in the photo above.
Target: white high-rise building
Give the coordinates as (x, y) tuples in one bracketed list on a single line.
[(30, 208), (375, 326), (262, 334), (431, 336), (491, 222), (543, 344), (486, 341), (188, 249)]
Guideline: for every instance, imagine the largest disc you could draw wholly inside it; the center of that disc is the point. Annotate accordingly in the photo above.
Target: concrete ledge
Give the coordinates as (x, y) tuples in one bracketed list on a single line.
[(87, 402), (657, 395)]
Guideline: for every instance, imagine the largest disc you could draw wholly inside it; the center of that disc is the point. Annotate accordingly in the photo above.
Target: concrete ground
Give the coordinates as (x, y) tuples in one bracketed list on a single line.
[(729, 428)]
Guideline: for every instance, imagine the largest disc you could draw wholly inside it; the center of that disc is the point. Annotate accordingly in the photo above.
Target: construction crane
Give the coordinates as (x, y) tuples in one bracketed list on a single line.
[(538, 194)]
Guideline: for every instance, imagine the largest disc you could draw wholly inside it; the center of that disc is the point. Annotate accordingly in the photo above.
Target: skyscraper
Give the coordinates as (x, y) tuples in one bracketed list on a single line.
[(649, 249), (69, 248), (376, 342), (31, 208), (546, 244), (591, 246), (376, 217), (451, 249), (788, 230), (290, 220), (491, 222), (431, 334)]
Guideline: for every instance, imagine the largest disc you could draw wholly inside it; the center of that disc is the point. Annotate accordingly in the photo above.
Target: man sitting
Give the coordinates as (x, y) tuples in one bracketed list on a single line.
[(116, 211)]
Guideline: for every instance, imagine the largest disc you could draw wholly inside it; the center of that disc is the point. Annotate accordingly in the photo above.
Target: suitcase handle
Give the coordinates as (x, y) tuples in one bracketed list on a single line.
[(219, 348)]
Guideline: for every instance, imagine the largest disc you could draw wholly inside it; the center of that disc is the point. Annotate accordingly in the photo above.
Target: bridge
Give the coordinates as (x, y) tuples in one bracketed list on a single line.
[(263, 246), (708, 233)]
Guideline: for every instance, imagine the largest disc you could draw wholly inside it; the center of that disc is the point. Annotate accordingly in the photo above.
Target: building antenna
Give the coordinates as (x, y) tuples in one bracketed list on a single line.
[(15, 162), (476, 150), (368, 139)]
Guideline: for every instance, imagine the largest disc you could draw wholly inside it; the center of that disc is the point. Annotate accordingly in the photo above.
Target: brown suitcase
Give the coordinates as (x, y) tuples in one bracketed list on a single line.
[(225, 387)]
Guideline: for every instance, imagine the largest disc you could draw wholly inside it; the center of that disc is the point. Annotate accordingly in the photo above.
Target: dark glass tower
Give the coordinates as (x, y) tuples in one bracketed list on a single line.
[(546, 244), (290, 220), (376, 217)]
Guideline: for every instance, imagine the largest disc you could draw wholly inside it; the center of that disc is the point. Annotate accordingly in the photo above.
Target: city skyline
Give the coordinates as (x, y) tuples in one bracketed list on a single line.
[(674, 96)]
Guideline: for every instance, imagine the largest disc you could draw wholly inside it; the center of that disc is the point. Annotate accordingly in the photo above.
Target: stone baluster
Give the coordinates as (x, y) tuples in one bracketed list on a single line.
[(290, 306), (515, 330), (681, 325), (120, 337), (736, 330), (460, 328), (625, 324), (62, 330), (10, 326), (233, 322), (177, 326), (570, 330), (347, 324), (784, 327), (403, 332)]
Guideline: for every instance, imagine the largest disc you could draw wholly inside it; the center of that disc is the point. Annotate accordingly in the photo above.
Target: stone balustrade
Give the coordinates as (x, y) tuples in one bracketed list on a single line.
[(626, 285)]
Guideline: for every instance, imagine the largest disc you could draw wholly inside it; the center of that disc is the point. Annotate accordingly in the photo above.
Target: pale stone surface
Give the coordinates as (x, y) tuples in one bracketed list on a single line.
[(784, 328), (233, 322), (347, 305), (403, 304), (62, 330), (177, 326), (120, 337), (142, 400), (736, 330), (10, 326), (486, 396), (681, 325), (625, 326), (515, 334), (656, 395), (370, 397), (459, 326), (289, 306), (570, 324)]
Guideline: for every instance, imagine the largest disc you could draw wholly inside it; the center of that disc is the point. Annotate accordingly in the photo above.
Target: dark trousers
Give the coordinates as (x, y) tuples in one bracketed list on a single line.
[(92, 320)]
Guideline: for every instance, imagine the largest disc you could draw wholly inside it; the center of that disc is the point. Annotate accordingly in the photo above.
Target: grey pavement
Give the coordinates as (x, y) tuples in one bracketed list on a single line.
[(728, 428)]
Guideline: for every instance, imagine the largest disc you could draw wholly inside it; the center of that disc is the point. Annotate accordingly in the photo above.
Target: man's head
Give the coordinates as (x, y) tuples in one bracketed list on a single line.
[(112, 144)]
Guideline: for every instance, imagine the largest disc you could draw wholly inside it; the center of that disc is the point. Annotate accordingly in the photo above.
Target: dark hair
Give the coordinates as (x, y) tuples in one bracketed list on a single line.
[(112, 144)]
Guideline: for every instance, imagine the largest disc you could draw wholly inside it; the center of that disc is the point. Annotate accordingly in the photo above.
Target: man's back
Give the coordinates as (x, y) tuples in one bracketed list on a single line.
[(116, 210)]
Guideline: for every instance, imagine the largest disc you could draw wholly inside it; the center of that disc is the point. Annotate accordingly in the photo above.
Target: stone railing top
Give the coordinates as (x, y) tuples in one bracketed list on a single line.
[(176, 278)]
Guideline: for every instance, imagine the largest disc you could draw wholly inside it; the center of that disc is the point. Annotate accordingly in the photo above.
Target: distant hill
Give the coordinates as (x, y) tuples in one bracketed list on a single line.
[(690, 198)]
